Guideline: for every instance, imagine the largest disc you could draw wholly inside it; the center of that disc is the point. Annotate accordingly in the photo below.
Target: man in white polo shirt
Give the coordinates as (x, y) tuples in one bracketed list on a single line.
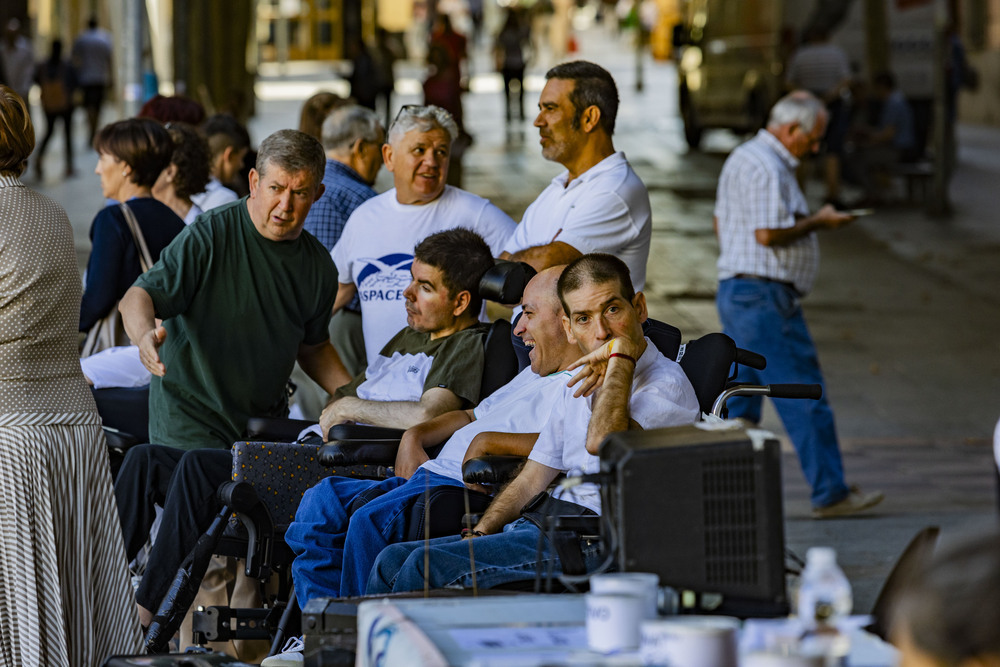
[(374, 253), (598, 204)]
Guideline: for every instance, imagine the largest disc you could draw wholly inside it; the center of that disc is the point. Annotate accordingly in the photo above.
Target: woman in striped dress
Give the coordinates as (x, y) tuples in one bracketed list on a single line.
[(65, 598)]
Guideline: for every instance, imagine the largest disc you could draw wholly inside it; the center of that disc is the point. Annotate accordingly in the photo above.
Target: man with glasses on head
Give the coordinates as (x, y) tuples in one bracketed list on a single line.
[(374, 254), (769, 259)]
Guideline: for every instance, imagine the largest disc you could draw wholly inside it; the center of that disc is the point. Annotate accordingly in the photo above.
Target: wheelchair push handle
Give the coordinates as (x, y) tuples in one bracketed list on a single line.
[(750, 359), (810, 391)]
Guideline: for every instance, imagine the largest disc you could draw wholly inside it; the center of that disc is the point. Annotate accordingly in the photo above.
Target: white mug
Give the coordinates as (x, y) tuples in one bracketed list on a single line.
[(690, 641), (639, 584), (613, 622)]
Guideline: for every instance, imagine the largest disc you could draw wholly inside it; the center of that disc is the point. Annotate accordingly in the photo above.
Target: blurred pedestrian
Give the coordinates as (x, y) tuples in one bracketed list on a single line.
[(823, 69), (364, 74), (768, 261), (510, 52), (186, 175), (57, 81), (132, 153), (388, 49), (18, 59), (66, 595), (316, 109), (92, 60)]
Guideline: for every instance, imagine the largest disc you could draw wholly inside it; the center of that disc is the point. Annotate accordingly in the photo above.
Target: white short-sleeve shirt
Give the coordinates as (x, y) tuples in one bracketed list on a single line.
[(661, 396), (605, 209), (523, 405), (376, 250)]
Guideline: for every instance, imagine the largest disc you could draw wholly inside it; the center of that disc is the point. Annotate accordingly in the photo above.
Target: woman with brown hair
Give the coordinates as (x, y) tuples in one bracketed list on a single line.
[(186, 175), (66, 597), (132, 153)]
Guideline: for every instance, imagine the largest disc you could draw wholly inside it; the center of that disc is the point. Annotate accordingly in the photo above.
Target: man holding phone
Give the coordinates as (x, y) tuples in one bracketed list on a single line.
[(769, 259)]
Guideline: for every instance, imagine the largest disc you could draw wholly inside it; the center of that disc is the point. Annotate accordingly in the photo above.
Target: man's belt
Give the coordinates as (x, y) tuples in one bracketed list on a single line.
[(783, 283)]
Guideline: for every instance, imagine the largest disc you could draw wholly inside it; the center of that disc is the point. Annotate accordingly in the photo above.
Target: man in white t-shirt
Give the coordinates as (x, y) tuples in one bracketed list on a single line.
[(624, 383), (598, 204), (374, 253), (335, 554)]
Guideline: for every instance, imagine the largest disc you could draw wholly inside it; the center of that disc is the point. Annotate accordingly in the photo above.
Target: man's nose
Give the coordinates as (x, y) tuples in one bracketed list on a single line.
[(285, 201), (602, 330), (408, 292)]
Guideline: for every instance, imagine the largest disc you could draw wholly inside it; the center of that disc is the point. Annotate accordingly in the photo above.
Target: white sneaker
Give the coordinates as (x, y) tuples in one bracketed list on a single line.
[(290, 656)]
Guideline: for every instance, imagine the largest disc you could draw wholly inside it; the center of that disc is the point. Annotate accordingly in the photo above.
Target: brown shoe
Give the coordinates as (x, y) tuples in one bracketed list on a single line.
[(856, 501)]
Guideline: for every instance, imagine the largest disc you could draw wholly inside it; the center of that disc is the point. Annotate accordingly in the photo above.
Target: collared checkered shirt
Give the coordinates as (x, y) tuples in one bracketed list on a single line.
[(757, 189)]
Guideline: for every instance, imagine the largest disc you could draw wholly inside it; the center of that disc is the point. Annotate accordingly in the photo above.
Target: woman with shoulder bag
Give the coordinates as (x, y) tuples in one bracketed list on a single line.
[(126, 239)]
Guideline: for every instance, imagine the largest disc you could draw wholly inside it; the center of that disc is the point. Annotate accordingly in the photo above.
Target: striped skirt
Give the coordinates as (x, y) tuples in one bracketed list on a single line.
[(65, 596)]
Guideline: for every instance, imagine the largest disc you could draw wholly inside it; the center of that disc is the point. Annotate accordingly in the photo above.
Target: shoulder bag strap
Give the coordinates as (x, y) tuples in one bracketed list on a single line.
[(145, 259)]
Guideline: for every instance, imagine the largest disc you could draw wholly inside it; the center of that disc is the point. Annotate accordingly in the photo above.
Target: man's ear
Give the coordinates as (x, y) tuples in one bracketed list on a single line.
[(319, 192), (590, 117), (461, 303), (568, 331), (254, 182), (387, 155), (639, 303)]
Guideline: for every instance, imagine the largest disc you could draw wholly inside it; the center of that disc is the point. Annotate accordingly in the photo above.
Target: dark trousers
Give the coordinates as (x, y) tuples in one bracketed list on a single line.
[(66, 117), (184, 483)]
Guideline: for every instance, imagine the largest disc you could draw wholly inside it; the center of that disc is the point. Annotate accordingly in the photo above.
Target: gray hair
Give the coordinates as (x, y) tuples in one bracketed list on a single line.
[(347, 124), (294, 152), (798, 106), (423, 118)]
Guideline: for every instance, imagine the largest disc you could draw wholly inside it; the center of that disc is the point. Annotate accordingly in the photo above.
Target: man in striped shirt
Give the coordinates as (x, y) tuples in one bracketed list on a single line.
[(769, 259)]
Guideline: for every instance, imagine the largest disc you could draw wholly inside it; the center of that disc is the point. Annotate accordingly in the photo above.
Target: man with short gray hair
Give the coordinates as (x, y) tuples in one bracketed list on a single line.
[(352, 137), (242, 294), (769, 259), (374, 254)]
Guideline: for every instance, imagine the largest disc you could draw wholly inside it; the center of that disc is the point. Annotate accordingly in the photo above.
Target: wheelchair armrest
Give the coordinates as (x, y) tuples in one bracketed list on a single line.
[(275, 429), (363, 432), (358, 452), (505, 282), (492, 469)]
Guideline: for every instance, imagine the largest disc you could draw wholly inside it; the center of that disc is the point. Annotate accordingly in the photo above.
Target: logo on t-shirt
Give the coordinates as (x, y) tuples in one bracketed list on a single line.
[(384, 278)]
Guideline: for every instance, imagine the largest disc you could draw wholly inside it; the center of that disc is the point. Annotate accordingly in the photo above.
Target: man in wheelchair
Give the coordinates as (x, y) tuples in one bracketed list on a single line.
[(335, 549), (624, 383), (432, 366)]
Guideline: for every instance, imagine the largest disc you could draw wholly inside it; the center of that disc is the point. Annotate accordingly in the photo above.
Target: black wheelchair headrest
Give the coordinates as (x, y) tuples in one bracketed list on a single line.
[(505, 281)]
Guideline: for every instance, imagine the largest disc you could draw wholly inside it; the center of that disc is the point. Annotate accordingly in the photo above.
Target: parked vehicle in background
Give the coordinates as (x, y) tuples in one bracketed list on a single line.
[(731, 55)]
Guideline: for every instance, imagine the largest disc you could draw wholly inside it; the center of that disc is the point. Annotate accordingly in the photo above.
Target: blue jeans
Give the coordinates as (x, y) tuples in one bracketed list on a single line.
[(766, 317), (334, 552), (505, 557)]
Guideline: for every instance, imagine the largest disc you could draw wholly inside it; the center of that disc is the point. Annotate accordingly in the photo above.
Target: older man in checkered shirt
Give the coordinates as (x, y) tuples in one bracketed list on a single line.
[(769, 259)]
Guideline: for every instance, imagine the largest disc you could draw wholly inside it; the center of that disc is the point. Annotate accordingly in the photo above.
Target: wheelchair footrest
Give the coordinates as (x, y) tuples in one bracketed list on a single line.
[(221, 624)]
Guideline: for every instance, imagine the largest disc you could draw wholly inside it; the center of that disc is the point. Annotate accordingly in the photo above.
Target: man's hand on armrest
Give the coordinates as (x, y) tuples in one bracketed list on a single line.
[(532, 480), (395, 414)]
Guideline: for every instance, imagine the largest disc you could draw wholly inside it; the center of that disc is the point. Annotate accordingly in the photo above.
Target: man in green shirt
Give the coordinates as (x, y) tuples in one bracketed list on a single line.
[(242, 294)]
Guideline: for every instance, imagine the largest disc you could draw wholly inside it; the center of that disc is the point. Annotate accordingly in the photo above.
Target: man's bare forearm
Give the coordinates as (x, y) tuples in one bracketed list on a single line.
[(541, 257), (138, 313), (437, 430), (610, 411), (322, 363), (532, 480), (506, 444), (345, 292)]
